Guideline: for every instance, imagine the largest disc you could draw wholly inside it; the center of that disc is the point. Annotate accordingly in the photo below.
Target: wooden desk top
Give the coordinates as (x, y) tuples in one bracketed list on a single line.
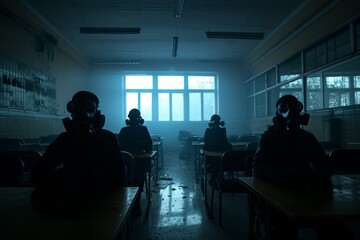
[(303, 204), (211, 153), (27, 214)]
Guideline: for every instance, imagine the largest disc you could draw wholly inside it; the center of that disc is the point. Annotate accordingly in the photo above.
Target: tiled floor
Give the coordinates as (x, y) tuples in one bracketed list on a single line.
[(178, 212)]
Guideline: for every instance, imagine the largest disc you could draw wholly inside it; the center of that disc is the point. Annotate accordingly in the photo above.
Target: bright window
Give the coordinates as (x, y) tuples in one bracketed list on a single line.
[(172, 98)]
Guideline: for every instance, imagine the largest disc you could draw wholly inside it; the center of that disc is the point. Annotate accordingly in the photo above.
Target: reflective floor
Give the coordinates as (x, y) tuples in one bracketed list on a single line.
[(178, 212)]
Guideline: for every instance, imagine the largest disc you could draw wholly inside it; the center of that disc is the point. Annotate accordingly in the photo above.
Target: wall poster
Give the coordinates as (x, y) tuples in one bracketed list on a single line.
[(23, 88)]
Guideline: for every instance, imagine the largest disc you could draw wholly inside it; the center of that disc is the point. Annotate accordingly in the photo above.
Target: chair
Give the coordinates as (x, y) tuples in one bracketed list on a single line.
[(28, 157), (252, 146), (11, 171), (249, 161), (129, 163), (232, 166), (345, 160)]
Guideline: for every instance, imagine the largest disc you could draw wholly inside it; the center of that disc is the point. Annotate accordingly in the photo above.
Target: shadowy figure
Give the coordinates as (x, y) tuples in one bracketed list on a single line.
[(135, 138), (215, 139), (290, 155), (85, 157)]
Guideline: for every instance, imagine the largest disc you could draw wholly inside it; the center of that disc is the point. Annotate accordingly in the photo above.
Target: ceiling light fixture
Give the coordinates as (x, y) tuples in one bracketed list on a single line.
[(118, 62), (175, 47), (236, 35), (178, 8), (109, 30)]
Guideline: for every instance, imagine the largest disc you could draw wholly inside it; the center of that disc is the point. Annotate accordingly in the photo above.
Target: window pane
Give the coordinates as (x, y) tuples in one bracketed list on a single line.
[(201, 82), (260, 105), (138, 82), (164, 107), (314, 93), (146, 106), (290, 69), (209, 105), (356, 81), (171, 82), (293, 88), (177, 107), (337, 82), (194, 106), (339, 99), (131, 101), (357, 97)]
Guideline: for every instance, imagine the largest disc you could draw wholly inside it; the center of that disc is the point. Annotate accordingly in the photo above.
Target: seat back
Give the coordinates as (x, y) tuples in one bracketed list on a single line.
[(234, 161), (345, 160), (11, 171), (249, 161), (28, 157), (252, 146), (129, 163)]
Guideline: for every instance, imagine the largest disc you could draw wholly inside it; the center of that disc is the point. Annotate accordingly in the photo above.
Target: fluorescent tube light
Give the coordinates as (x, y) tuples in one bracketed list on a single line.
[(109, 30), (236, 35), (175, 46), (124, 62), (178, 8)]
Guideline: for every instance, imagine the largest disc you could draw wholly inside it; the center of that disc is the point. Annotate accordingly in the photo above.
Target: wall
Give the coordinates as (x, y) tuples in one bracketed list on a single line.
[(21, 43)]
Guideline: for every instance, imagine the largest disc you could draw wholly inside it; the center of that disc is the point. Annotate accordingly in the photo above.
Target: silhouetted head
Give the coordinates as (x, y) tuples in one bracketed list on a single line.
[(134, 117), (288, 109), (215, 121), (84, 107)]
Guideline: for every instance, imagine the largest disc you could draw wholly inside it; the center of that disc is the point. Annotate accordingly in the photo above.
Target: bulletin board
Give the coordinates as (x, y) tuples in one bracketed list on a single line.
[(23, 88)]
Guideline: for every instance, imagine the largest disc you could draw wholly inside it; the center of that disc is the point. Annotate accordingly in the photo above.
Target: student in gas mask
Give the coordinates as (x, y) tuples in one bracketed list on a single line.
[(287, 152), (84, 158), (290, 155)]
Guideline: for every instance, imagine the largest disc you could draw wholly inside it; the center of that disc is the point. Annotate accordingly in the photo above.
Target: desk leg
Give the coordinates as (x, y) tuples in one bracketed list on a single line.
[(196, 165), (156, 166), (251, 213), (205, 186)]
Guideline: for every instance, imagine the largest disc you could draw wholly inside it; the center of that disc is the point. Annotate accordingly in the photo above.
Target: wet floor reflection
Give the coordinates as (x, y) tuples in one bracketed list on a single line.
[(176, 207), (178, 212)]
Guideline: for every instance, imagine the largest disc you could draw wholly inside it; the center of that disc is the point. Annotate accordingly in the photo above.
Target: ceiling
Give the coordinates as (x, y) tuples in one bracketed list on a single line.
[(159, 25)]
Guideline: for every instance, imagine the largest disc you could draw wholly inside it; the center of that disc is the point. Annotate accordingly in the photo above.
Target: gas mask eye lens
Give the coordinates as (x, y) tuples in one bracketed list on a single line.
[(283, 109)]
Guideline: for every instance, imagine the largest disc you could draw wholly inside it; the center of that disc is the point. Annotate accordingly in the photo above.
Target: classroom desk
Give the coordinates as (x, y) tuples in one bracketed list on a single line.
[(25, 213), (158, 147), (303, 205), (198, 146), (216, 156), (197, 154), (188, 143), (143, 161)]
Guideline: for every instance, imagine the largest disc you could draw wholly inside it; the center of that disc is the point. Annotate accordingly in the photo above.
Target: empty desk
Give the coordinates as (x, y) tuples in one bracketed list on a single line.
[(26, 213)]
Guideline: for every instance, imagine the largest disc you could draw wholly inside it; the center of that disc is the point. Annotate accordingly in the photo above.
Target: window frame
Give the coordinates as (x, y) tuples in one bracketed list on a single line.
[(155, 91)]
